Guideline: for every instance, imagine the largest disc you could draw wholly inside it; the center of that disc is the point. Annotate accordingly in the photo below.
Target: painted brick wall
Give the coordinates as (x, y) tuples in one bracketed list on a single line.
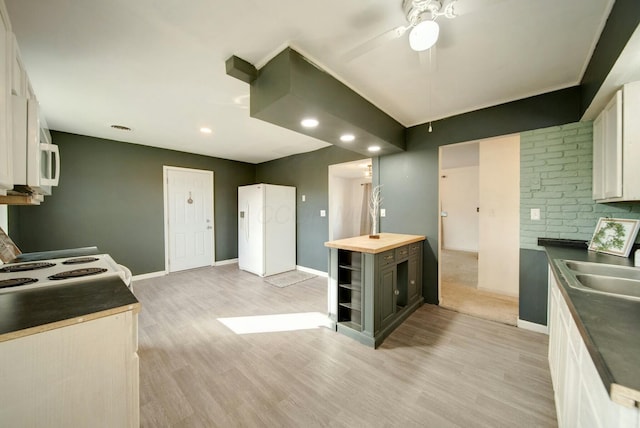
[(555, 176)]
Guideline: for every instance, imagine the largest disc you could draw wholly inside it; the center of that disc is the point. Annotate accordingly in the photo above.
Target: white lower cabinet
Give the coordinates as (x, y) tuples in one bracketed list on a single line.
[(580, 396), (82, 375)]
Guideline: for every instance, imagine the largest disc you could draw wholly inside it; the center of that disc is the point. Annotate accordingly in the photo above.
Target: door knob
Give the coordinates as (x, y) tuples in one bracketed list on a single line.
[(396, 292)]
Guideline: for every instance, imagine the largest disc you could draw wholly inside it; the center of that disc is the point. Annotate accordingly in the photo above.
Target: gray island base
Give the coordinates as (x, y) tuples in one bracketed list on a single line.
[(374, 284)]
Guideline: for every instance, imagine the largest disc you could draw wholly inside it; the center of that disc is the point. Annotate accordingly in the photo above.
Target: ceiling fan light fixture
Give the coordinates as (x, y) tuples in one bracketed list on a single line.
[(424, 35)]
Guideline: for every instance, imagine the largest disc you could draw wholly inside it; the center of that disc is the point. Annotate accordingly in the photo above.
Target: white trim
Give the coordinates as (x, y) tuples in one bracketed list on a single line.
[(165, 195), (528, 325), (148, 275), (313, 271), (226, 262)]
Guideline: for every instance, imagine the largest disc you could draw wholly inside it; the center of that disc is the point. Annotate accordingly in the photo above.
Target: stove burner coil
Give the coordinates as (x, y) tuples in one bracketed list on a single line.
[(26, 267), (15, 282), (80, 260), (77, 273)]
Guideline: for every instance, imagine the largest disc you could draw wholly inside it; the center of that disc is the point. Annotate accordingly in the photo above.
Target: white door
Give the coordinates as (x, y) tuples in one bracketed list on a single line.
[(189, 218), (459, 204), (499, 237)]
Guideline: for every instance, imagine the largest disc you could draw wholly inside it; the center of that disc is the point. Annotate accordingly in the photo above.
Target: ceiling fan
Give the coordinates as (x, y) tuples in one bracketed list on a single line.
[(421, 16), (421, 23)]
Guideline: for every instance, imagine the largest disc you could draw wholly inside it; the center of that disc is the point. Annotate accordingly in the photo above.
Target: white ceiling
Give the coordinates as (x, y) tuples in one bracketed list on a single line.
[(157, 66)]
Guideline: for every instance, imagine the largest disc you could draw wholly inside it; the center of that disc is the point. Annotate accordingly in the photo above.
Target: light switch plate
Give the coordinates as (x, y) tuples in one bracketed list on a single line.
[(535, 213), (383, 212), (304, 198), (323, 213)]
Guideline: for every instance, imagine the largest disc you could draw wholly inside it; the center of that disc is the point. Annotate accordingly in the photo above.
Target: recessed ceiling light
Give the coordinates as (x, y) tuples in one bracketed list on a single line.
[(374, 148), (346, 138), (121, 127), (309, 123), (205, 130)]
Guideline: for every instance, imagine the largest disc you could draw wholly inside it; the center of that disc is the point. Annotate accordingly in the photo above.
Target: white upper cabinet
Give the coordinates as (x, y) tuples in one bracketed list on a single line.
[(6, 136), (616, 148), (20, 80)]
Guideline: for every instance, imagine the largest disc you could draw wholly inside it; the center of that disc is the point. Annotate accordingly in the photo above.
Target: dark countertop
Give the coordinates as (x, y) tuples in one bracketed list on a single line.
[(609, 326), (56, 254), (33, 311)]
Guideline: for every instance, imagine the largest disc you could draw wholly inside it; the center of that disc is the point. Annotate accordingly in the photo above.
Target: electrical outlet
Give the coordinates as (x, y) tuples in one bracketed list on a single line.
[(383, 212), (323, 213), (535, 213)]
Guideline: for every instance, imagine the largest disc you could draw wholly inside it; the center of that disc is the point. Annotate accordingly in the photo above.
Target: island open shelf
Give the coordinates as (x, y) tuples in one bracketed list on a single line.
[(374, 284)]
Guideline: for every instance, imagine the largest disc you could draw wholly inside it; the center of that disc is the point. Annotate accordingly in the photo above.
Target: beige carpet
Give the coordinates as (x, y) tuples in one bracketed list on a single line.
[(459, 279), (459, 267)]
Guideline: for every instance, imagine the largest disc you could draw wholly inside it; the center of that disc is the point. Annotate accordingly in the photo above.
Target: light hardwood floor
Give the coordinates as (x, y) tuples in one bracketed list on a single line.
[(438, 369)]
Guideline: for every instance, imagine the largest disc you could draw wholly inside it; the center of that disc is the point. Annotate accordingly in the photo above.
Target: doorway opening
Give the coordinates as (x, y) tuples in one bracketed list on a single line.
[(349, 190), (188, 218), (478, 255)]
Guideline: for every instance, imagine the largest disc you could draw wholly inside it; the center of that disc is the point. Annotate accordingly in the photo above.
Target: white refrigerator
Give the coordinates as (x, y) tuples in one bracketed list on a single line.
[(266, 229)]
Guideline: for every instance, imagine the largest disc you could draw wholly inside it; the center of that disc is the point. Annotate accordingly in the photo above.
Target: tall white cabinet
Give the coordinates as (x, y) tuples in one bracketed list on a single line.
[(266, 229), (6, 136)]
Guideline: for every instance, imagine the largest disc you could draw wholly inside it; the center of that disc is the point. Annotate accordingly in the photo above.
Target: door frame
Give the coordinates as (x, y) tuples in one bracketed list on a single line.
[(354, 168), (440, 226), (165, 191)]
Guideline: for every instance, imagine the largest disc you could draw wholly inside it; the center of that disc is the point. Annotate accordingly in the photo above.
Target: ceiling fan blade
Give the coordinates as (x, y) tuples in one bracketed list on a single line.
[(375, 42)]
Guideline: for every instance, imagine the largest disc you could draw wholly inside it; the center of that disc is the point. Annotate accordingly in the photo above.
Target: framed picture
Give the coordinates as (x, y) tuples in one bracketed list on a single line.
[(614, 236)]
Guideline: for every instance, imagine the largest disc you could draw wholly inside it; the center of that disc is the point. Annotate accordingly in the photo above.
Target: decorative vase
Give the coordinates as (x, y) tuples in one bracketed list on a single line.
[(374, 205)]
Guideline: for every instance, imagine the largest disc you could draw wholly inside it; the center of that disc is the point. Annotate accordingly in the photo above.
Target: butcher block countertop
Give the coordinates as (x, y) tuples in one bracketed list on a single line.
[(46, 308), (364, 244)]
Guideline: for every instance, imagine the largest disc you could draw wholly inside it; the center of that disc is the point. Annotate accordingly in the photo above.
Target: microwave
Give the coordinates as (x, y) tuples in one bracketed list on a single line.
[(36, 161)]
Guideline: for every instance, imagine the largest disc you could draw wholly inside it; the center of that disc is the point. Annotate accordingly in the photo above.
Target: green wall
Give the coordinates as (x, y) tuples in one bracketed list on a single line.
[(556, 177), (309, 173), (111, 195), (410, 179)]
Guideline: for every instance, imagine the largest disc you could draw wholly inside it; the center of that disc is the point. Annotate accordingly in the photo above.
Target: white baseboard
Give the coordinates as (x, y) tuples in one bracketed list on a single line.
[(313, 271), (148, 275), (528, 325), (225, 262)]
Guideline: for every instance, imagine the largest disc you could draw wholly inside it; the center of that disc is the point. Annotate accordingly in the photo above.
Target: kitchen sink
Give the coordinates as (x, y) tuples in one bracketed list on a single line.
[(603, 269), (612, 280)]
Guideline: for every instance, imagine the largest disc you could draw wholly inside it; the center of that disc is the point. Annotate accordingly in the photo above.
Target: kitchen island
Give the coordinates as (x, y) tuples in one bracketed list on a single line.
[(374, 284), (593, 345), (69, 357)]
